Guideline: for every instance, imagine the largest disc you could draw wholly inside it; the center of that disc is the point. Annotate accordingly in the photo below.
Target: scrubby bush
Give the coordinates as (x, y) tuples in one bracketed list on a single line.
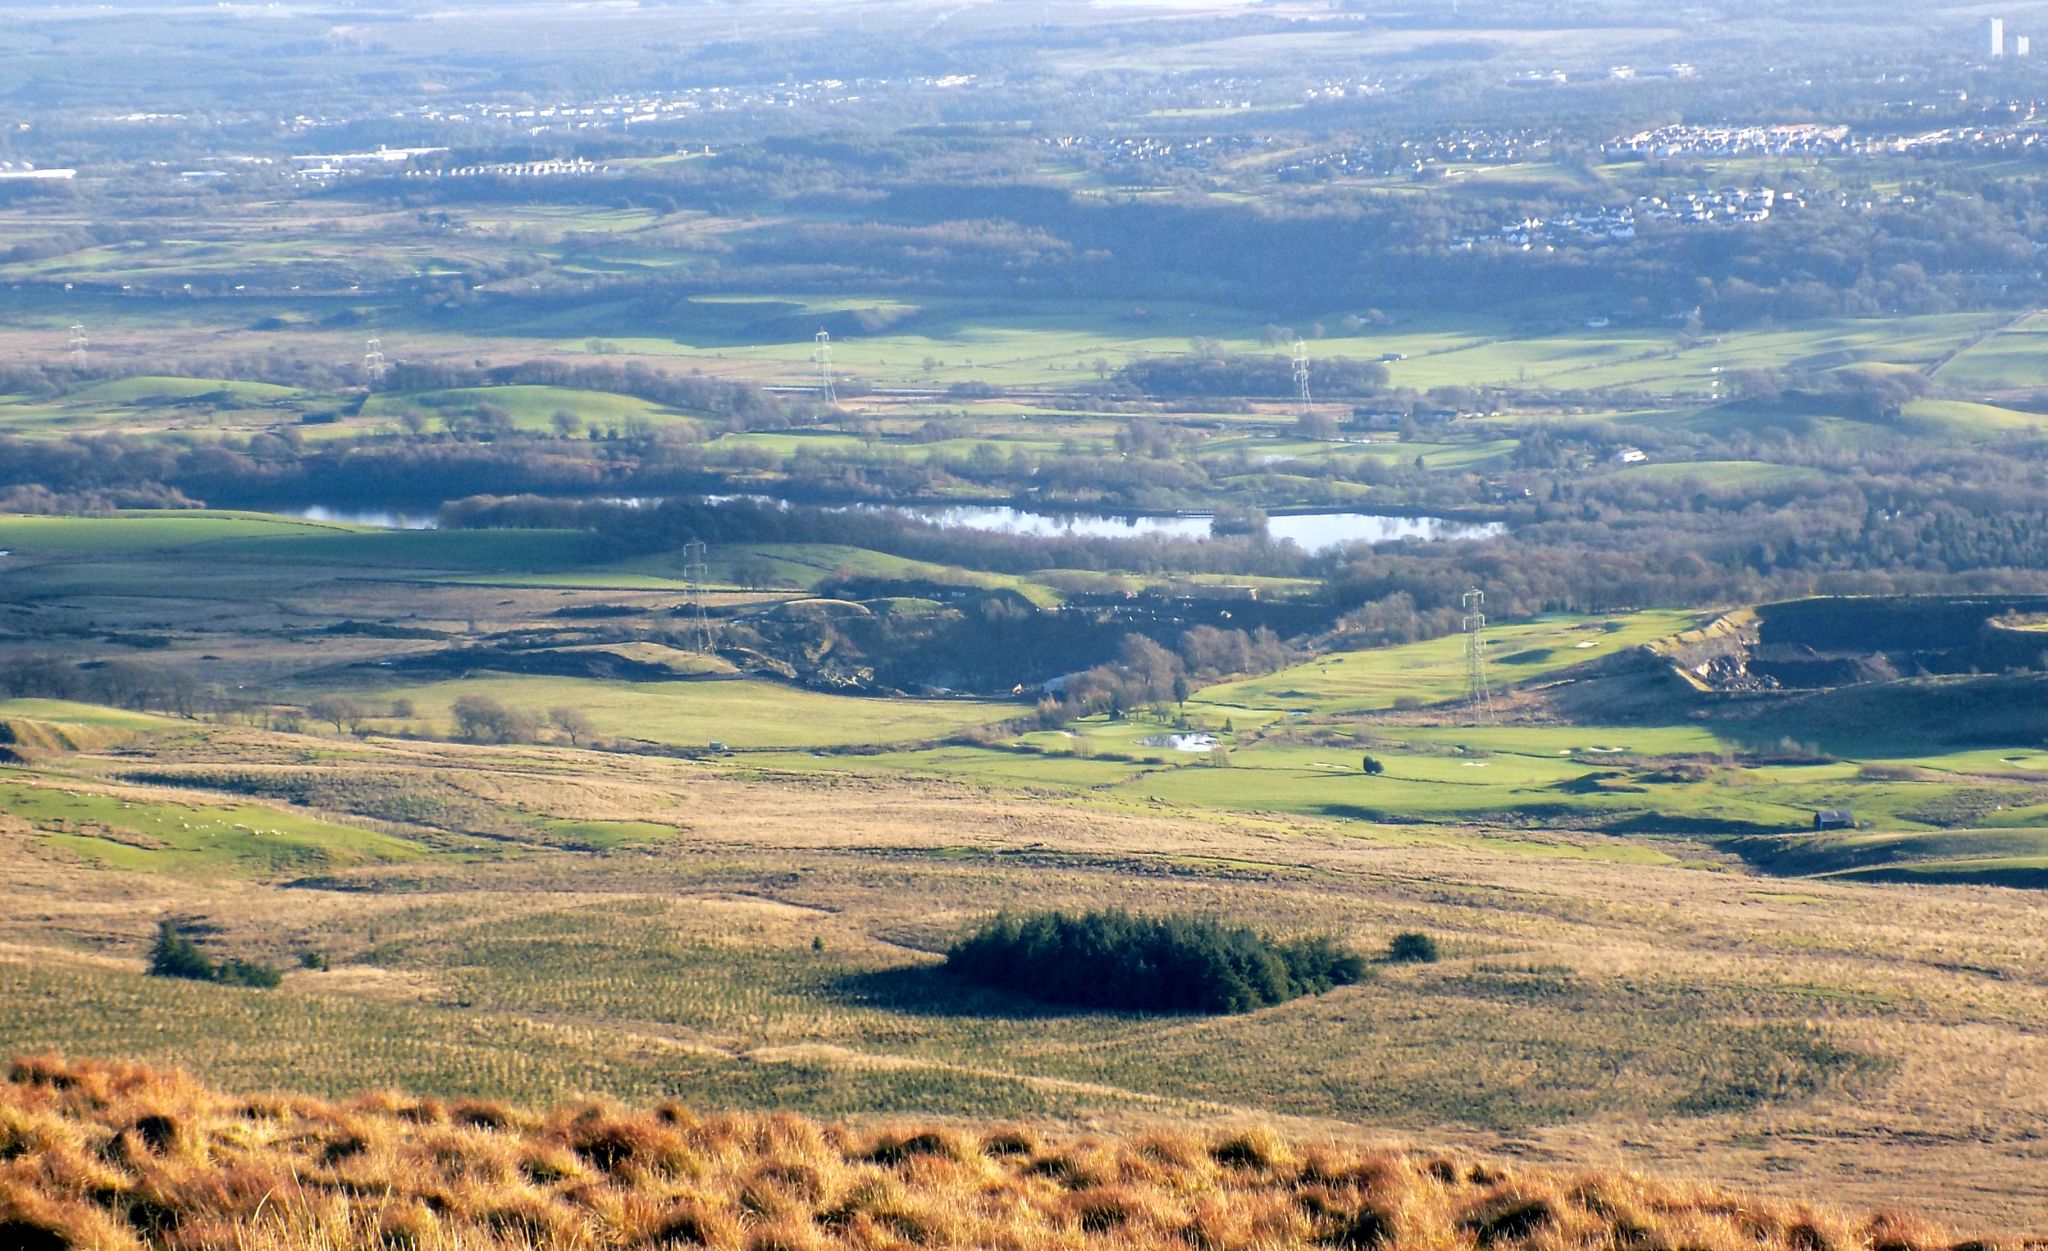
[(175, 955), (234, 971), (1412, 948), (481, 719), (1116, 960)]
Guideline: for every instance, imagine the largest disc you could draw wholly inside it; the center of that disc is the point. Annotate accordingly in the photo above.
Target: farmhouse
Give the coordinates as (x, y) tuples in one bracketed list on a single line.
[(1834, 819)]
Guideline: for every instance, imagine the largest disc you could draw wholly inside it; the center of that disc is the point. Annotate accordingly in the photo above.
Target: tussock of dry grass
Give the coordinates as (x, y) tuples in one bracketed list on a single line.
[(122, 1157)]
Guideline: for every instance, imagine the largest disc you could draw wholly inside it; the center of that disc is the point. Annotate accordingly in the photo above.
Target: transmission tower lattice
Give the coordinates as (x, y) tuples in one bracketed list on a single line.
[(78, 344), (373, 360), (1301, 374), (1478, 691), (695, 573), (821, 356)]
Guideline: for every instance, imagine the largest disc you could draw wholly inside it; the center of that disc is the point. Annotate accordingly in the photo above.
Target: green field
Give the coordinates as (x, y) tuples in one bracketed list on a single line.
[(529, 408), (1939, 418), (259, 538), (1295, 742), (1344, 683), (64, 712), (1654, 359), (741, 713), (1291, 742), (147, 532), (1723, 474), (942, 342), (190, 838), (2013, 358), (152, 404)]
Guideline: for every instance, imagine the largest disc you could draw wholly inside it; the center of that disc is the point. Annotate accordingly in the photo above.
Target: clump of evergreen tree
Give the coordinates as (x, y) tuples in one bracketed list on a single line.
[(1412, 948), (1120, 961), (175, 955)]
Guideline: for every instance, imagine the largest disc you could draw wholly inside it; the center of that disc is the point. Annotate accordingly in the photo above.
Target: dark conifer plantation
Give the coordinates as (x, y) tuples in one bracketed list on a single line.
[(1120, 961)]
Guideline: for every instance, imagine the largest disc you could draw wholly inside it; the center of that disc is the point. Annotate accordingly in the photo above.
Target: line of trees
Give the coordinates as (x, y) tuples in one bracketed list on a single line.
[(1270, 377)]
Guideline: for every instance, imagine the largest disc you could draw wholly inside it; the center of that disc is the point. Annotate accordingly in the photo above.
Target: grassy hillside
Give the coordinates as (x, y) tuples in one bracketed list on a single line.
[(1647, 954), (736, 711), (120, 1158), (136, 829), (1345, 683), (541, 923)]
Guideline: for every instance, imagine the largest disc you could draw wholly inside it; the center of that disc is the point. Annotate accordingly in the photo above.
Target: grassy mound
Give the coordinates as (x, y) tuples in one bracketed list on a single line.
[(1125, 963), (124, 1158)]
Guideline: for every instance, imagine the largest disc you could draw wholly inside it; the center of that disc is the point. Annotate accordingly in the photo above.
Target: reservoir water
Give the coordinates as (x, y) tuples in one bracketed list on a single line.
[(1313, 532)]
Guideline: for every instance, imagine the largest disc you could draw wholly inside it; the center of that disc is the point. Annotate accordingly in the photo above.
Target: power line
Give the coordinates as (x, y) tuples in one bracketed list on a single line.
[(373, 360), (78, 344), (1301, 374)]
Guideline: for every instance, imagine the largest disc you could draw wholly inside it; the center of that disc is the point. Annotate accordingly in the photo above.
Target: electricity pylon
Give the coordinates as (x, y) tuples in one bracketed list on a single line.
[(821, 356), (1478, 691), (696, 571)]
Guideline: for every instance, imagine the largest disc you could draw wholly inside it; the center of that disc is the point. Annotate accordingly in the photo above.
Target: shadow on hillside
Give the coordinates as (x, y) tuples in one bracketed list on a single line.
[(927, 990)]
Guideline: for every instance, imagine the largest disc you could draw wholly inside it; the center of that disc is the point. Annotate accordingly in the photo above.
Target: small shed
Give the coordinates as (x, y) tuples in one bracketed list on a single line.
[(1834, 819)]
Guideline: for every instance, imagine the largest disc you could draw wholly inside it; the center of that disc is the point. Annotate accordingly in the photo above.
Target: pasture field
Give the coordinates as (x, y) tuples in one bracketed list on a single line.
[(1253, 457), (70, 714), (314, 286), (481, 551), (742, 713), (1344, 683), (332, 609), (1721, 474), (136, 550), (129, 830), (2014, 358), (150, 390), (937, 344), (154, 405), (1655, 792), (257, 539), (1963, 418), (1622, 799), (1051, 772), (1656, 360), (2008, 857), (146, 532), (807, 565), (528, 408)]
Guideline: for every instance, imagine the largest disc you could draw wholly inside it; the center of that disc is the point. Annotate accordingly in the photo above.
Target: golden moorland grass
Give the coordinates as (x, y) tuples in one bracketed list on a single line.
[(120, 1158)]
